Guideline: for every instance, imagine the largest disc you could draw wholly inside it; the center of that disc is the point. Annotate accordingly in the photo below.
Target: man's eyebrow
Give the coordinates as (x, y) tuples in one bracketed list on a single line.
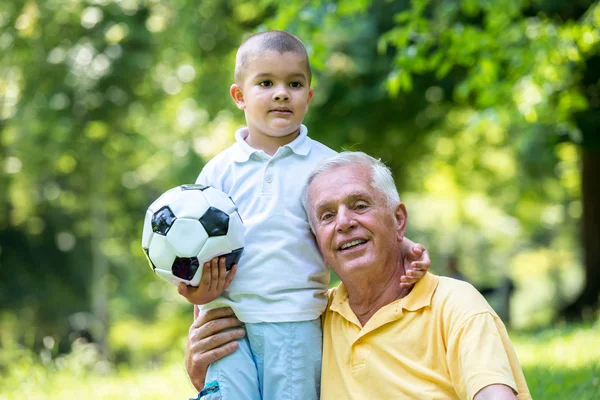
[(323, 205), (358, 195)]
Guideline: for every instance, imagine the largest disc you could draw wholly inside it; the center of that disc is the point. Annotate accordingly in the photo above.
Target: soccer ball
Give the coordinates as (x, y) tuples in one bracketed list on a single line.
[(188, 226)]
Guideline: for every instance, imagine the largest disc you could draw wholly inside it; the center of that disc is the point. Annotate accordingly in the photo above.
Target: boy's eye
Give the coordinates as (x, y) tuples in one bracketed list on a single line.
[(266, 83), (296, 84)]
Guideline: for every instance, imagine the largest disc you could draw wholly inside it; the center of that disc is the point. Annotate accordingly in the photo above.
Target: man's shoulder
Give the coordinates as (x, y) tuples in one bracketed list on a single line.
[(460, 297)]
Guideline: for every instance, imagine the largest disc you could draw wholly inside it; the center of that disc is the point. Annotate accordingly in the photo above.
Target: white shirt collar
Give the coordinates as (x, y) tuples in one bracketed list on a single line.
[(242, 151)]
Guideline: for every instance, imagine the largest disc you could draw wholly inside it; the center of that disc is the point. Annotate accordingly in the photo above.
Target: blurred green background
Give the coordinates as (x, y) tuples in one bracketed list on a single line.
[(488, 112)]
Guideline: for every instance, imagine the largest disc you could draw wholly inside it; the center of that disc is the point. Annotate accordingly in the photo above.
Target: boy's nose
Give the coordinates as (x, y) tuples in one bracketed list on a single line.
[(281, 95)]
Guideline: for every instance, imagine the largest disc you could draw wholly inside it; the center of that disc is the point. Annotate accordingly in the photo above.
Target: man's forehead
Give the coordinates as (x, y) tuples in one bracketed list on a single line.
[(342, 183)]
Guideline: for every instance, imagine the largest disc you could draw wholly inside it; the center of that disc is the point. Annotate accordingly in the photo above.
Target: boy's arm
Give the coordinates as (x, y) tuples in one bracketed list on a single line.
[(416, 262), (215, 279)]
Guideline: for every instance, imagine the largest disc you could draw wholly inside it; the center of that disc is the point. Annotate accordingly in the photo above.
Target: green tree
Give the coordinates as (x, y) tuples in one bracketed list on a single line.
[(528, 68)]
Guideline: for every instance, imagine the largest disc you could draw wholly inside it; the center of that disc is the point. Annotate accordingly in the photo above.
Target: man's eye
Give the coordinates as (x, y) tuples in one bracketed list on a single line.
[(296, 84), (266, 83), (360, 206), (326, 216)]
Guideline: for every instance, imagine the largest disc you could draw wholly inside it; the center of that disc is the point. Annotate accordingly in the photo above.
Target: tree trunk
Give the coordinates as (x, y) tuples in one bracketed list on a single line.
[(589, 124), (588, 299)]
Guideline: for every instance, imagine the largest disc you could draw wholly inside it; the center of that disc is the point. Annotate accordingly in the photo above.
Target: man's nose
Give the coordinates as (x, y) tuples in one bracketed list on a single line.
[(281, 94), (345, 220)]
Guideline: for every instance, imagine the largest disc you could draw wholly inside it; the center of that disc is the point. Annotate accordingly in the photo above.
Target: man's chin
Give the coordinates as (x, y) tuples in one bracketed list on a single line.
[(353, 263)]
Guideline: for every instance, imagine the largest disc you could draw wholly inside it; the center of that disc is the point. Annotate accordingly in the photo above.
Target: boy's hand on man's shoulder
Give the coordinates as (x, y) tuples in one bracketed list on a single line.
[(215, 279), (416, 265)]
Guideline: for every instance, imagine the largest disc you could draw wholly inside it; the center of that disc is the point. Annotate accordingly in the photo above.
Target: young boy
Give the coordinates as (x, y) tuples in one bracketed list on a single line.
[(279, 289)]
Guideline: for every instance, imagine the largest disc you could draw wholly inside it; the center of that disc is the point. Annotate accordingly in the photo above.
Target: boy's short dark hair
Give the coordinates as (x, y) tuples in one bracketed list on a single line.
[(279, 41)]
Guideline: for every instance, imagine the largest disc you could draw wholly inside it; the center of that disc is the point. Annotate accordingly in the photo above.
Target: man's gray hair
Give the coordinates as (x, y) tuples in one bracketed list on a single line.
[(381, 175)]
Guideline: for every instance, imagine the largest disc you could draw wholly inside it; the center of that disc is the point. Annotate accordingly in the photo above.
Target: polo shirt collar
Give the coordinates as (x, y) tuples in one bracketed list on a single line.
[(421, 296), (341, 305), (242, 150)]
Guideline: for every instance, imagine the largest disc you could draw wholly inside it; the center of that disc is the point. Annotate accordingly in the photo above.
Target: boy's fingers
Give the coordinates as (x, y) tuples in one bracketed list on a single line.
[(230, 276), (405, 283), (222, 274), (182, 289), (419, 265), (419, 247), (205, 282), (214, 274)]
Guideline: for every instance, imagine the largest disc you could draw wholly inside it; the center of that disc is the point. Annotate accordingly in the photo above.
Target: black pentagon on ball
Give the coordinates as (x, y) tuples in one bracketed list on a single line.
[(215, 222), (185, 267), (147, 253), (194, 187), (233, 258), (162, 220)]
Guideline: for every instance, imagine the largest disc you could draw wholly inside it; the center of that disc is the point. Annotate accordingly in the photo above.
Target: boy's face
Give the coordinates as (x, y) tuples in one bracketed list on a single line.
[(274, 94)]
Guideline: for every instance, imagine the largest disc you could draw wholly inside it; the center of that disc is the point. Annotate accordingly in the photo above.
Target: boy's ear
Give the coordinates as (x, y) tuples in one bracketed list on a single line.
[(236, 94)]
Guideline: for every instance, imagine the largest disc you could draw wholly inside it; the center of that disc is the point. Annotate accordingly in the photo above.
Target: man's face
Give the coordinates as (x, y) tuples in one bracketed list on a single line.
[(356, 229), (274, 94)]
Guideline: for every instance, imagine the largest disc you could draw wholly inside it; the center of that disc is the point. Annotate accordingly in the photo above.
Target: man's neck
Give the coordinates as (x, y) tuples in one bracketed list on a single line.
[(365, 300)]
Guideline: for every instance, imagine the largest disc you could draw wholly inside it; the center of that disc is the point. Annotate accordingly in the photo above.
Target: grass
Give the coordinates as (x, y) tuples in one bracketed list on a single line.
[(559, 363), (562, 362)]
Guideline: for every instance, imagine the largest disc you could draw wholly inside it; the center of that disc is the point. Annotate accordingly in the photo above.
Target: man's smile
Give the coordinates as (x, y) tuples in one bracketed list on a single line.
[(350, 244)]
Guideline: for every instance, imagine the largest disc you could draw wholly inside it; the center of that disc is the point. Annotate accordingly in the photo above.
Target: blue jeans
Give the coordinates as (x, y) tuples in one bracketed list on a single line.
[(274, 361)]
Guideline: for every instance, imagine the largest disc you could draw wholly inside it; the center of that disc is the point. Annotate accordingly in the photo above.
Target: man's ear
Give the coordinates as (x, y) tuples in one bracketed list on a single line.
[(401, 217), (236, 94)]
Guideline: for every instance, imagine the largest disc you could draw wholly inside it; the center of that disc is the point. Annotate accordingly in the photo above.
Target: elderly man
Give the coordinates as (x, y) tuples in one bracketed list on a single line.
[(442, 340)]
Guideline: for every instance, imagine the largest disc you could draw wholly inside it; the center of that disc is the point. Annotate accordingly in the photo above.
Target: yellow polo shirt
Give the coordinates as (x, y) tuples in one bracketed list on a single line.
[(442, 341)]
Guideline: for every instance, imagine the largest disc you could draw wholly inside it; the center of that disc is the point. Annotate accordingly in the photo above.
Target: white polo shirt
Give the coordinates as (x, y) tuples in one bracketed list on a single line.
[(281, 276)]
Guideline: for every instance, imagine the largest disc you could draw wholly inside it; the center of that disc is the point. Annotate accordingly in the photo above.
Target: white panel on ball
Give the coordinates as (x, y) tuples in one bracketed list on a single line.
[(187, 236), (219, 200), (164, 199), (214, 246), (189, 204), (167, 275), (147, 230), (161, 252), (236, 231)]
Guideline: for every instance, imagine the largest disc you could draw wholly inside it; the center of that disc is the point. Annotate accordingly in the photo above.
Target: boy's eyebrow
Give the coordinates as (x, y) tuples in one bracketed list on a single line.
[(269, 74)]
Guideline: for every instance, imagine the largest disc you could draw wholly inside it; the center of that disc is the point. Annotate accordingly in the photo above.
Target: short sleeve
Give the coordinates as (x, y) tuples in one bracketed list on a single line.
[(212, 174), (477, 356), (203, 178)]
